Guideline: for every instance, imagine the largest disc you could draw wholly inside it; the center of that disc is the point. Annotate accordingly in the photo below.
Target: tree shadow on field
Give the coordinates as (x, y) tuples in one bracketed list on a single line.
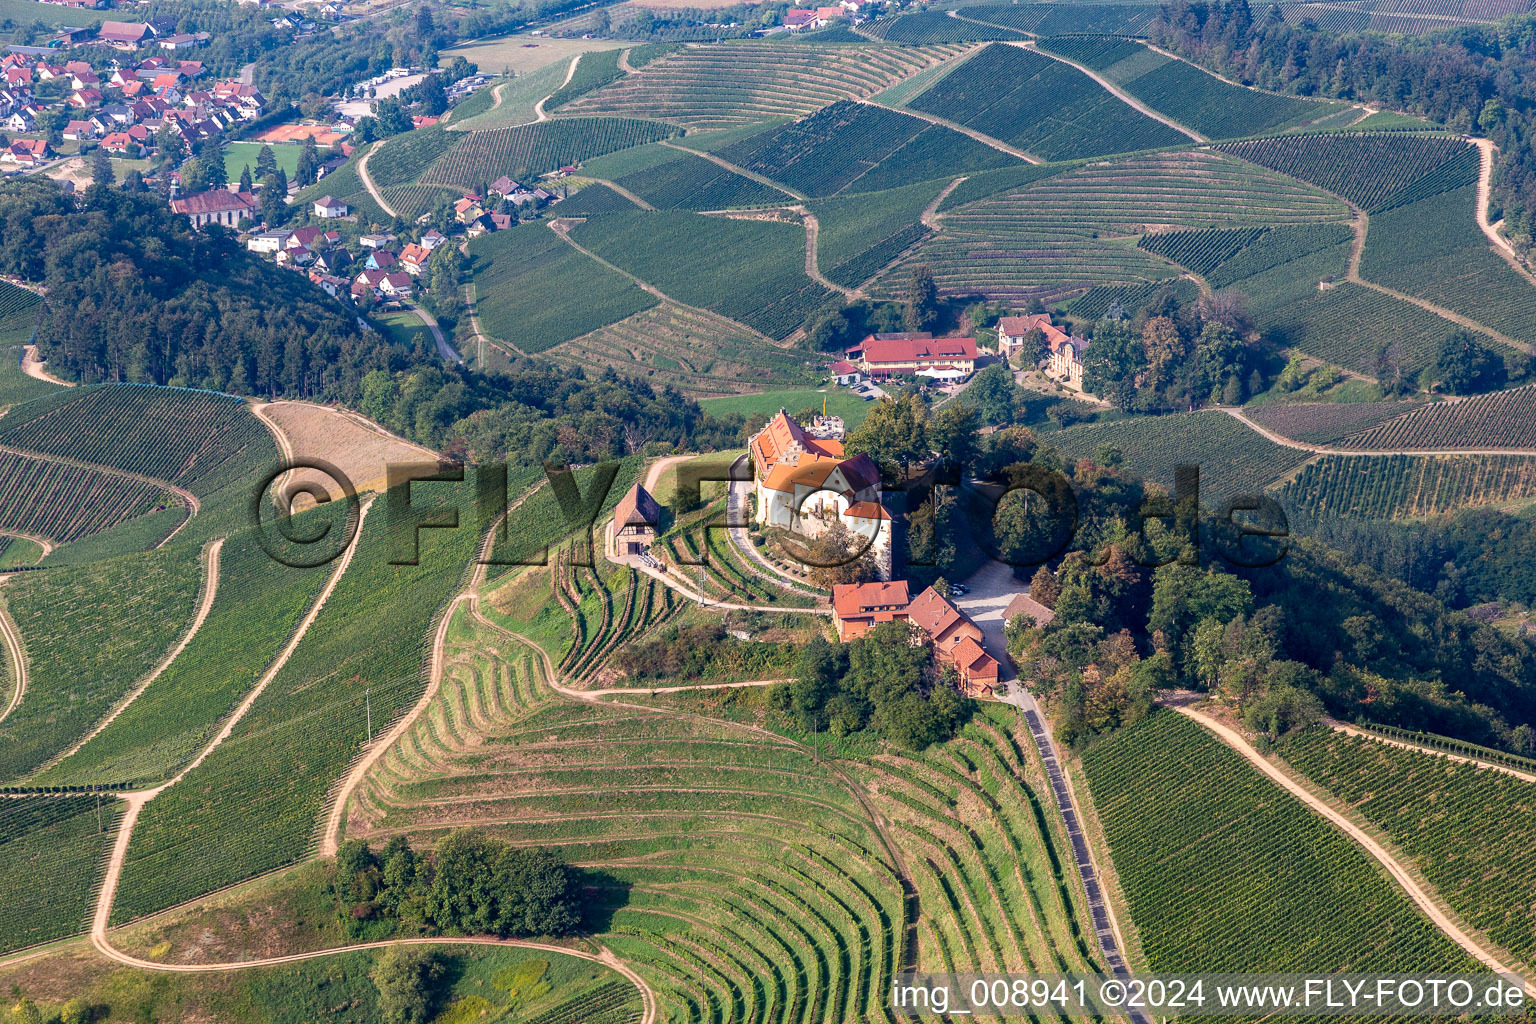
[(603, 895)]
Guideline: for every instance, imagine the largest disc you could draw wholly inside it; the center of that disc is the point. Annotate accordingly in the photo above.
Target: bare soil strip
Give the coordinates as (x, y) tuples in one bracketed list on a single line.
[(1485, 148), (210, 592), (32, 366), (16, 655), (1399, 874)]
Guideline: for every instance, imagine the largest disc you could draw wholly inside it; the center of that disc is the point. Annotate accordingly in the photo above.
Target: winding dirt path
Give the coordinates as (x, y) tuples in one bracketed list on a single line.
[(136, 800), (720, 161), (570, 72), (1287, 442), (1110, 87), (36, 538), (15, 654), (1485, 148), (626, 193), (210, 592), (606, 958), (929, 218), (985, 140), (898, 863), (32, 366), (373, 190), (1399, 874)]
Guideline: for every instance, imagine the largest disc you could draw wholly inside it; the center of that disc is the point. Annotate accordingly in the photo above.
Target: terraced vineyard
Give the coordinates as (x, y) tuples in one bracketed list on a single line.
[(1233, 459), (740, 877), (516, 271), (1042, 105), (751, 271), (86, 653), (65, 502), (1497, 420), (730, 83), (695, 352), (1405, 486), (259, 603), (860, 147), (1199, 838), (986, 857), (1469, 830), (1076, 230), (51, 852), (199, 440), (1365, 169), (529, 150)]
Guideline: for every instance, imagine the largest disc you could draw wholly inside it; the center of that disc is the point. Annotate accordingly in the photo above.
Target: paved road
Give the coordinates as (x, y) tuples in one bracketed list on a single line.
[(444, 349), (993, 587)]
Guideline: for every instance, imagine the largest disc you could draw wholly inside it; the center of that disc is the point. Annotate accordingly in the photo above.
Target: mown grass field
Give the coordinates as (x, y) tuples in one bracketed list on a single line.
[(839, 402)]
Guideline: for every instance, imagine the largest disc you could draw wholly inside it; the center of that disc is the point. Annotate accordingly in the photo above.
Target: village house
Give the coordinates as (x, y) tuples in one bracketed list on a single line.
[(414, 258), (218, 206), (956, 642), (881, 355), (860, 607), (380, 259), (367, 283), (268, 241), (329, 208), (396, 286), (432, 239), (26, 152), (635, 520), (1064, 361), (845, 373)]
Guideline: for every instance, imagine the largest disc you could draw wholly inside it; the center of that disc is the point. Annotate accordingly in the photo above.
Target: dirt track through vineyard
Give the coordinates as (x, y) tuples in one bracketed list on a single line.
[(1399, 874), (209, 593)]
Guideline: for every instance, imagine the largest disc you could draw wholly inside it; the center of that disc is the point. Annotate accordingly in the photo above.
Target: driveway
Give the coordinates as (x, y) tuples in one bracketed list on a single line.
[(993, 587)]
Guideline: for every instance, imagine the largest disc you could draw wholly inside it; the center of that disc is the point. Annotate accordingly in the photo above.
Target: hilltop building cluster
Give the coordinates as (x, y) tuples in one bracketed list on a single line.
[(957, 641)]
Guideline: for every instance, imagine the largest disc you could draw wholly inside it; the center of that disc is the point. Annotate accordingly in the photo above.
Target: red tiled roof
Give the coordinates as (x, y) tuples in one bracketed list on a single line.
[(854, 600), (217, 200), (912, 350)]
